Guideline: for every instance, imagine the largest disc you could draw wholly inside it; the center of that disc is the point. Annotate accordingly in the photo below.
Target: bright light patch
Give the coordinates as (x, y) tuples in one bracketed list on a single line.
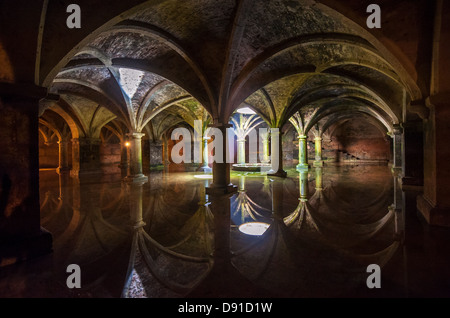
[(254, 228), (246, 110), (203, 176), (130, 80)]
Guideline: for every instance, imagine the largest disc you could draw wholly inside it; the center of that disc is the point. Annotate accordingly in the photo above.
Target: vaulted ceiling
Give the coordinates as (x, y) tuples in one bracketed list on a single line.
[(184, 60)]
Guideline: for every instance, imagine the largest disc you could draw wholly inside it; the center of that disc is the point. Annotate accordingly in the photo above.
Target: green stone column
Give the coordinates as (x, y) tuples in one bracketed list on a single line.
[(318, 162), (302, 153)]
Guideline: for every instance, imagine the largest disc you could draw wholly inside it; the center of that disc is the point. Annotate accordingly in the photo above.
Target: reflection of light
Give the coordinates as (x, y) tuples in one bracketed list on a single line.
[(246, 110), (254, 228), (127, 144), (203, 176)]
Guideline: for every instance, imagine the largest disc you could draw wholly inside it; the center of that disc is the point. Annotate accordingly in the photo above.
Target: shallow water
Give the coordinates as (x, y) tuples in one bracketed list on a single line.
[(167, 238)]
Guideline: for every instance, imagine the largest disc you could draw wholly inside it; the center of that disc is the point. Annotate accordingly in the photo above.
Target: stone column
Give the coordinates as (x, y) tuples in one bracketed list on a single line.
[(397, 136), (63, 156), (85, 156), (221, 170), (124, 154), (302, 153), (166, 151), (265, 144), (21, 235), (156, 153), (318, 162), (134, 172), (276, 154), (205, 156), (434, 204), (241, 151), (412, 155)]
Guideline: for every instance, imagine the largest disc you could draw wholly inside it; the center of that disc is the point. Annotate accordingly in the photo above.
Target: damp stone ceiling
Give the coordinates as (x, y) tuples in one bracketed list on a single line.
[(202, 57)]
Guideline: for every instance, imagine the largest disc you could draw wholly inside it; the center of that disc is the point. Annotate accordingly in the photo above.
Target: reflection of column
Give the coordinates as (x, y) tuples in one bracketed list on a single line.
[(319, 183), (222, 278), (63, 157), (277, 197), (63, 186), (135, 193), (318, 162), (221, 170), (276, 154), (205, 154), (397, 149), (303, 185), (241, 183), (302, 153), (135, 158), (412, 156), (241, 151), (398, 209)]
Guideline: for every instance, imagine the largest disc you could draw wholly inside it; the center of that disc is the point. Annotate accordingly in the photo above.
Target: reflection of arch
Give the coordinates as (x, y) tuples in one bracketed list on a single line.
[(320, 224)]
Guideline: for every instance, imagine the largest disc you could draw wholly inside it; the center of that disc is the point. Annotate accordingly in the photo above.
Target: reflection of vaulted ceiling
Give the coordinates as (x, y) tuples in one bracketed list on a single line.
[(278, 57)]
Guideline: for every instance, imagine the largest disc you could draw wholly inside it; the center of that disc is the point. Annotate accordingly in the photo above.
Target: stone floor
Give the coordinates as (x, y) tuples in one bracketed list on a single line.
[(167, 238)]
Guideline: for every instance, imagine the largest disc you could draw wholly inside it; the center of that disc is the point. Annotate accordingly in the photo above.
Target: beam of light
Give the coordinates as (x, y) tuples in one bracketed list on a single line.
[(246, 110), (130, 80), (203, 176)]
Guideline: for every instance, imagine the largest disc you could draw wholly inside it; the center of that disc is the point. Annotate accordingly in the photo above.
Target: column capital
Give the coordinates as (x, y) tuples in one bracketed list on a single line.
[(63, 141), (397, 129), (135, 135)]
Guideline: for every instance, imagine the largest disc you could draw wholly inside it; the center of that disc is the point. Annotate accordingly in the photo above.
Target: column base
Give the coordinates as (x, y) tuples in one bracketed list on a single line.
[(302, 167), (220, 190), (318, 163), (26, 248), (434, 215), (204, 169), (140, 178), (279, 173)]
